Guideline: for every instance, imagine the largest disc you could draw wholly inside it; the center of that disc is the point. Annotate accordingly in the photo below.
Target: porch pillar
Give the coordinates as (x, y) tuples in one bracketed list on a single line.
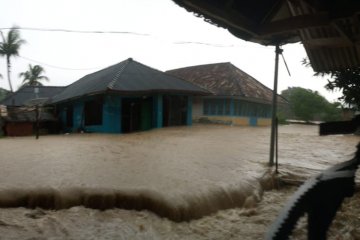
[(189, 111), (158, 111)]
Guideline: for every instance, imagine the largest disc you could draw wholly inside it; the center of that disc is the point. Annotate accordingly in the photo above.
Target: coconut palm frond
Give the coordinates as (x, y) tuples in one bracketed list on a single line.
[(33, 77)]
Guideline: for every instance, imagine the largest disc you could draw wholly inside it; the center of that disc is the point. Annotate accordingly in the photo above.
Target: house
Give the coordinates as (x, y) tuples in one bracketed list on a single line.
[(18, 115), (236, 97), (126, 97)]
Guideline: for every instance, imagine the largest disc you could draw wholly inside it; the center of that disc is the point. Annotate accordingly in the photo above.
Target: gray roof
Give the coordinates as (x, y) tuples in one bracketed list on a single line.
[(128, 77), (26, 93)]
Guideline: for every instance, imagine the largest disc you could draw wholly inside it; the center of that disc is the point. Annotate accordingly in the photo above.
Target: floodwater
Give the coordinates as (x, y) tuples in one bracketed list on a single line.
[(183, 174)]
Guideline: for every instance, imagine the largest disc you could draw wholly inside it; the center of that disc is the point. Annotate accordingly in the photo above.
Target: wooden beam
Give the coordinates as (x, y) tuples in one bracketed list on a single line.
[(345, 35), (295, 23), (232, 19), (327, 42)]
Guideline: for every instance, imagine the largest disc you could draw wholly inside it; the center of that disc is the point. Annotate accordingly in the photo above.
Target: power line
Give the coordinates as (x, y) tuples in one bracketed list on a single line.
[(58, 67), (75, 31), (204, 43)]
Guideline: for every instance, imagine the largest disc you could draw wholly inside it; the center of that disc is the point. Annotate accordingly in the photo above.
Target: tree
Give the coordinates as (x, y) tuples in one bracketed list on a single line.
[(9, 47), (308, 105), (33, 77), (346, 80)]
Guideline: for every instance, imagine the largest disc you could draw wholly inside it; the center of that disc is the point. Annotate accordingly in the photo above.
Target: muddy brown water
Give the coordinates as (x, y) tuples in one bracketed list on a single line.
[(180, 173)]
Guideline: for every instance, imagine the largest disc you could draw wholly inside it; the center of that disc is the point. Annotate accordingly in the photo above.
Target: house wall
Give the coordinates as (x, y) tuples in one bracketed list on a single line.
[(197, 108), (111, 115), (231, 111)]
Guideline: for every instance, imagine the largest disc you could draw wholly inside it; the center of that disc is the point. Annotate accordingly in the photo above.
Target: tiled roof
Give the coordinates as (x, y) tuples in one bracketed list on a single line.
[(128, 77), (26, 93), (224, 79)]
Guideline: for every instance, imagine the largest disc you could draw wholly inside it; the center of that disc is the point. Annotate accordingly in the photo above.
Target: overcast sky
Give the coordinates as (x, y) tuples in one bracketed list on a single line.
[(169, 37)]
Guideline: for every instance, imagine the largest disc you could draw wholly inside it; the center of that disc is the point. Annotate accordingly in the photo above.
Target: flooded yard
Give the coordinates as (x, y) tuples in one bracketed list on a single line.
[(184, 173)]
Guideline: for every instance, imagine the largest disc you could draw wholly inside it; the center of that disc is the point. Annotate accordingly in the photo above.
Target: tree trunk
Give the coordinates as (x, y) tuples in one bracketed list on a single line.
[(8, 64)]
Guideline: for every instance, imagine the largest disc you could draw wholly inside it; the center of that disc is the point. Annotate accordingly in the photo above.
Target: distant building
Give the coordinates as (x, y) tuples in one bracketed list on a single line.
[(126, 97), (27, 93), (17, 115), (236, 97)]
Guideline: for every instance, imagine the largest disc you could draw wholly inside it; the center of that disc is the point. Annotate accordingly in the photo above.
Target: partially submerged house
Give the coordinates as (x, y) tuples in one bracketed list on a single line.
[(237, 98), (18, 115), (126, 97)]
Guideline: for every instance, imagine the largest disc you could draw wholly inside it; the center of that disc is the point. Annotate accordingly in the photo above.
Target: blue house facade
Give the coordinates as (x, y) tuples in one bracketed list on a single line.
[(126, 97)]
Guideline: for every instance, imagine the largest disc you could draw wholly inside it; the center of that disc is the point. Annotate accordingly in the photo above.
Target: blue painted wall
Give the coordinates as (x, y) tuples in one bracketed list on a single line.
[(112, 114), (111, 118), (158, 111)]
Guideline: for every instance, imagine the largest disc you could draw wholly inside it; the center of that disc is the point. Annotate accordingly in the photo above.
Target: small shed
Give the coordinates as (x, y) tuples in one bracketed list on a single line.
[(18, 118), (21, 121)]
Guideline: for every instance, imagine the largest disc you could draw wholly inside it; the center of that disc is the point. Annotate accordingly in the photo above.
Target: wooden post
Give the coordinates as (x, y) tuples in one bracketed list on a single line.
[(37, 121)]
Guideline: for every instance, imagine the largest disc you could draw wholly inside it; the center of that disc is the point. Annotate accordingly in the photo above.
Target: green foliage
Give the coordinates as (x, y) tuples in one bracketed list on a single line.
[(309, 105), (9, 47), (33, 77), (346, 80)]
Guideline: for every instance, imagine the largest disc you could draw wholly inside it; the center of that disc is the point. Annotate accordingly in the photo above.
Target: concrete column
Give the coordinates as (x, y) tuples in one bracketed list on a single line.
[(78, 108), (232, 107), (189, 111), (158, 111)]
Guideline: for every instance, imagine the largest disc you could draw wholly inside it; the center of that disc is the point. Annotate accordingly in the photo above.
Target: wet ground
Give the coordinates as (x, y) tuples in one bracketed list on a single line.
[(187, 169)]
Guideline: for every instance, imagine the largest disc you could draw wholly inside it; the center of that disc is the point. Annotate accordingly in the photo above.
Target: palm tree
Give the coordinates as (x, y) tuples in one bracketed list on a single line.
[(9, 47), (33, 77)]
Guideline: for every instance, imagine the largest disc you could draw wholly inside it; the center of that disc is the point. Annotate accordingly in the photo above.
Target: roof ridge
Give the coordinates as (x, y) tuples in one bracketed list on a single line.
[(252, 77), (118, 73), (200, 65), (168, 74), (235, 80)]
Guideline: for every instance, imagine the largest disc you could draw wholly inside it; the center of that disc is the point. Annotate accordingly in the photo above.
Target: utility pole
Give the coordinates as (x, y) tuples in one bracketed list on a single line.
[(273, 135)]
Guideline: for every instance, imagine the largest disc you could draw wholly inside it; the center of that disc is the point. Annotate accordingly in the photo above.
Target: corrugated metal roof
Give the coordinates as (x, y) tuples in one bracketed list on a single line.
[(26, 93), (224, 79), (128, 77)]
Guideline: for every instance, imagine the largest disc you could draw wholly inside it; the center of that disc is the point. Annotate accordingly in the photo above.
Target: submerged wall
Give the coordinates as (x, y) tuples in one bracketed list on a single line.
[(112, 118), (231, 111)]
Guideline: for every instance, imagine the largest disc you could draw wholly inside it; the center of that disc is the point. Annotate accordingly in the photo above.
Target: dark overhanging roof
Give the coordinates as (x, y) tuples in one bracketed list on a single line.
[(328, 29), (128, 77)]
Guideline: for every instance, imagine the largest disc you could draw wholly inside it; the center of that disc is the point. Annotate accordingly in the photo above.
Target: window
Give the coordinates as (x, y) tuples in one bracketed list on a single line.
[(220, 107), (93, 112), (227, 106)]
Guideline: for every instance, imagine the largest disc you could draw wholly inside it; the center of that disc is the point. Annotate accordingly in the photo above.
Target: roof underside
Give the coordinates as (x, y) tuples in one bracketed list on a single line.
[(128, 77), (329, 30)]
